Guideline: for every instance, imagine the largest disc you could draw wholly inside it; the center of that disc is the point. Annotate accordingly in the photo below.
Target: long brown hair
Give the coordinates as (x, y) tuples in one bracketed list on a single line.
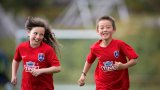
[(49, 37)]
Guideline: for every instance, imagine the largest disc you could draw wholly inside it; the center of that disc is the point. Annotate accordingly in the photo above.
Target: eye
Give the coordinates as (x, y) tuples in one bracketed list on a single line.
[(101, 27), (35, 33), (41, 34), (108, 27)]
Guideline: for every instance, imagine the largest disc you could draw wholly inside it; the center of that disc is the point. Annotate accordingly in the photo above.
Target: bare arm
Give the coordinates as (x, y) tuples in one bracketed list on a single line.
[(53, 69), (86, 68), (15, 66), (130, 63)]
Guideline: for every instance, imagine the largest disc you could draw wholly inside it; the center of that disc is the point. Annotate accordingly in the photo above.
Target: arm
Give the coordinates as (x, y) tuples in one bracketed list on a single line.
[(15, 66), (53, 69), (81, 80), (130, 63)]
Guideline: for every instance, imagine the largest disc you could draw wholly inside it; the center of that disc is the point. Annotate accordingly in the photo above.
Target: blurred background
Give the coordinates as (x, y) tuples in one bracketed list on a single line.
[(74, 21)]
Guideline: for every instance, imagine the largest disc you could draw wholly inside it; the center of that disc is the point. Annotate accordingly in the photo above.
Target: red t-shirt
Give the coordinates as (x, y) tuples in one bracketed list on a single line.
[(41, 57), (105, 77)]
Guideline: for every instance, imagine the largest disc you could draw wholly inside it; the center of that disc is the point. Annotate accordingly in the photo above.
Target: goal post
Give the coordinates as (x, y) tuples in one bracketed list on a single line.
[(62, 34)]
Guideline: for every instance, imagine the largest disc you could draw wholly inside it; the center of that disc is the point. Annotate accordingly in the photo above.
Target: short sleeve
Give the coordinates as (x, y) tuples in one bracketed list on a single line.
[(17, 55), (128, 50), (91, 56), (52, 57)]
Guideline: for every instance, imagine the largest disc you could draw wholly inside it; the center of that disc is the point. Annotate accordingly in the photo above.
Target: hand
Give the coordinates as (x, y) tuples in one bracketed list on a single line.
[(81, 80), (119, 66), (35, 72), (14, 80)]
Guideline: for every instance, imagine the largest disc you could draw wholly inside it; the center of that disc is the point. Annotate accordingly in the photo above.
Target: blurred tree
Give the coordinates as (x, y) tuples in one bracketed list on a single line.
[(45, 8), (143, 6)]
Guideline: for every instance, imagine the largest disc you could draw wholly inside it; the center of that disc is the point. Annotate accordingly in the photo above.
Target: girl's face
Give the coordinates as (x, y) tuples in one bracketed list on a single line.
[(36, 36), (105, 29)]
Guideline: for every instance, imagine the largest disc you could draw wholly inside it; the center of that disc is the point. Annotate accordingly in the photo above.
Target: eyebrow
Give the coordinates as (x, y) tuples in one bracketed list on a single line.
[(105, 25)]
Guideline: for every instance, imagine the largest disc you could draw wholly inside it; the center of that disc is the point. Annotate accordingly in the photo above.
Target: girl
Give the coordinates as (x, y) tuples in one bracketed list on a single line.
[(38, 56), (112, 70)]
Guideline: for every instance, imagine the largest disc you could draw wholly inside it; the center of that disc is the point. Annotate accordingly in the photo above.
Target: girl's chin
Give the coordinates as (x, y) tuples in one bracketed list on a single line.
[(36, 43), (105, 38)]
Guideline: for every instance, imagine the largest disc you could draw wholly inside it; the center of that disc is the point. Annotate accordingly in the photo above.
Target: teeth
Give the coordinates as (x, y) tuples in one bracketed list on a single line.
[(36, 40), (105, 33)]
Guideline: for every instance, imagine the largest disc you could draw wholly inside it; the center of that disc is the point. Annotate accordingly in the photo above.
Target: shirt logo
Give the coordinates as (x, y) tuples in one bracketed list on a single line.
[(29, 66), (108, 63), (23, 56), (108, 66), (116, 54), (41, 57)]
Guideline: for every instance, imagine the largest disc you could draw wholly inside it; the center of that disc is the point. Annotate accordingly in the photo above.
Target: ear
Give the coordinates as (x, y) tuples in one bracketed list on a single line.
[(97, 31), (114, 30)]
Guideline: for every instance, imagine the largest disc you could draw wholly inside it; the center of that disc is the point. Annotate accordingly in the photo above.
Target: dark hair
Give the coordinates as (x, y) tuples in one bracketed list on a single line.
[(111, 19), (49, 37)]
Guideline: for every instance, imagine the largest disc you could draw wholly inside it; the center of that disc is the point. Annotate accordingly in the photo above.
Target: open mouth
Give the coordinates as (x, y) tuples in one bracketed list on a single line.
[(36, 40), (105, 33)]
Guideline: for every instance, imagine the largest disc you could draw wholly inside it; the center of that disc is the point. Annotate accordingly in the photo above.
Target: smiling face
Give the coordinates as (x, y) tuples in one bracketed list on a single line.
[(105, 29), (36, 35)]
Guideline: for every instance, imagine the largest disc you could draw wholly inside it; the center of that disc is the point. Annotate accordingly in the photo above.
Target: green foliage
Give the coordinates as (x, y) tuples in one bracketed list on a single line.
[(44, 8), (145, 40), (149, 52), (143, 6), (8, 46)]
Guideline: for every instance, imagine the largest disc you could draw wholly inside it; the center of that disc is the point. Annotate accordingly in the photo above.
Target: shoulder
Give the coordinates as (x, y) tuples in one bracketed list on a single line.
[(119, 42), (48, 49), (46, 46), (23, 44), (95, 44), (122, 44)]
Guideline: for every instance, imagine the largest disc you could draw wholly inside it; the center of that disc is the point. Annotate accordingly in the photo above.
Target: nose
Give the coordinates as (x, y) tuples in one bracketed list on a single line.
[(104, 29)]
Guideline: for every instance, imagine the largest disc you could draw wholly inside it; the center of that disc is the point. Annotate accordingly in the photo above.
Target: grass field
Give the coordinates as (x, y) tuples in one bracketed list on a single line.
[(74, 87), (92, 87)]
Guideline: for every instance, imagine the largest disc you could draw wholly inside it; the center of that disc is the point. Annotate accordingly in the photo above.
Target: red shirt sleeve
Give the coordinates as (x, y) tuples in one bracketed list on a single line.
[(128, 50), (91, 56), (17, 55), (52, 58)]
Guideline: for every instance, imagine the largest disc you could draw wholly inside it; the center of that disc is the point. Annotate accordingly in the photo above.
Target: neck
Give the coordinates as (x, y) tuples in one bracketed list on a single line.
[(34, 45), (105, 43)]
